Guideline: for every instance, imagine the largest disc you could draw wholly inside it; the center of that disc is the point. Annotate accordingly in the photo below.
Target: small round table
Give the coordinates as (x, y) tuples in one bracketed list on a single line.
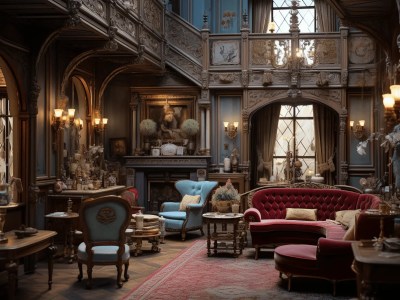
[(223, 238), (67, 219)]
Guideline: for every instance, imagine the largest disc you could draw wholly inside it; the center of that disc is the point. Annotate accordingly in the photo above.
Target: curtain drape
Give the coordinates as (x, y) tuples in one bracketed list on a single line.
[(326, 16), (261, 15), (265, 126), (325, 137)]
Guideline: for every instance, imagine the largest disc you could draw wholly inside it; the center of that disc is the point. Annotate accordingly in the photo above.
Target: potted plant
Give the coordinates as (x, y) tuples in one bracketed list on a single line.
[(224, 196), (190, 127), (147, 128)]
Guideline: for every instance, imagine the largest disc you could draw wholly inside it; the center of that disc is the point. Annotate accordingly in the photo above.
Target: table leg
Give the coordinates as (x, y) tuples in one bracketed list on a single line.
[(155, 242), (138, 247), (215, 240), (12, 268), (208, 239), (235, 227), (52, 250), (70, 242)]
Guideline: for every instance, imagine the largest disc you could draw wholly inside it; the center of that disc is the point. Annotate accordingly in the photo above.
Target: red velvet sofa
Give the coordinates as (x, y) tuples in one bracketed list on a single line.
[(268, 226)]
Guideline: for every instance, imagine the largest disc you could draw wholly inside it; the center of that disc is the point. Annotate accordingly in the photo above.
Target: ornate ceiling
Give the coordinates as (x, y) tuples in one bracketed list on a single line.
[(379, 18)]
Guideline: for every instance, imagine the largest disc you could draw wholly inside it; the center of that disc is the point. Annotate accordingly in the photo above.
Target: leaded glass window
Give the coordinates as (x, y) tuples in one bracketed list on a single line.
[(295, 135), (306, 15)]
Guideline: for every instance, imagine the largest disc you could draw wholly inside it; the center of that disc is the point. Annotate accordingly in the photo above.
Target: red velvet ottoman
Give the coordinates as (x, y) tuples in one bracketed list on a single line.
[(329, 259)]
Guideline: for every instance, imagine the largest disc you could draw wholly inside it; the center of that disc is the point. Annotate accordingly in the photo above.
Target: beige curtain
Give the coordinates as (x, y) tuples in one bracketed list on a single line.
[(261, 15), (326, 16), (265, 125), (325, 137)]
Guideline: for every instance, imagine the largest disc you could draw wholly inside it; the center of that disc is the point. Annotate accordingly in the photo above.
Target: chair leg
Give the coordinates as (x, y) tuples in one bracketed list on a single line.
[(126, 275), (183, 234), (201, 231), (289, 286), (80, 275), (89, 280), (334, 287), (257, 252), (119, 273)]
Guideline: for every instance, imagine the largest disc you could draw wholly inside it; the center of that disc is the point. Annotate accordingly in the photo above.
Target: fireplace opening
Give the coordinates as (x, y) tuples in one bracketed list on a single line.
[(160, 192)]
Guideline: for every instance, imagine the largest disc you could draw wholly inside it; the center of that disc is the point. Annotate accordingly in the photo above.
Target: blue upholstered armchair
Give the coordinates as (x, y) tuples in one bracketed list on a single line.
[(186, 215), (104, 221)]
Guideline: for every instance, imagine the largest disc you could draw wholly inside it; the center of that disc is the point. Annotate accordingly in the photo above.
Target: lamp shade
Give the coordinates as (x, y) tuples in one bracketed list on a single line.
[(395, 91), (388, 100)]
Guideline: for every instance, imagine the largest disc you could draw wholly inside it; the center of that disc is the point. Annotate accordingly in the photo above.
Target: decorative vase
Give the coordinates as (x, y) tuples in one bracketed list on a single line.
[(190, 148), (146, 147)]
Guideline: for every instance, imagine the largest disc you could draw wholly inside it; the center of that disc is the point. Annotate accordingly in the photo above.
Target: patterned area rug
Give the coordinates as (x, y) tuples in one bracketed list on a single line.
[(194, 275)]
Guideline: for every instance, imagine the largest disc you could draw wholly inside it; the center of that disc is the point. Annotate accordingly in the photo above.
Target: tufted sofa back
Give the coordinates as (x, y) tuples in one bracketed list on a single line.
[(273, 202)]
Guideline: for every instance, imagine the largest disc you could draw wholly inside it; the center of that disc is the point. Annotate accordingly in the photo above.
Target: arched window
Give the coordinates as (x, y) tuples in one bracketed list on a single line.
[(295, 141)]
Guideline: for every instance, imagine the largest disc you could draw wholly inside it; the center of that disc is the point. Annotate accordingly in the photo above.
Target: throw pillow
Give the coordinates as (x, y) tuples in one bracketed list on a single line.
[(305, 214), (344, 217), (350, 233), (188, 199)]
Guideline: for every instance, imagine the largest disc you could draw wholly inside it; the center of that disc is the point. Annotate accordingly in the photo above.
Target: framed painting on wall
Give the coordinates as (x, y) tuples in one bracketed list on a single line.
[(226, 52), (169, 116), (118, 147)]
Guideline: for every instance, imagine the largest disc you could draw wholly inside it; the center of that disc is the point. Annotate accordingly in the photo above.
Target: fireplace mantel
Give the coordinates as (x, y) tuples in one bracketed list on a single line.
[(147, 172)]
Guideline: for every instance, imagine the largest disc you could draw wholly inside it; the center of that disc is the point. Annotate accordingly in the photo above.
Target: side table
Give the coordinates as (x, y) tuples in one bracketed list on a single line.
[(16, 248), (145, 227), (153, 239), (375, 269), (222, 238), (68, 225)]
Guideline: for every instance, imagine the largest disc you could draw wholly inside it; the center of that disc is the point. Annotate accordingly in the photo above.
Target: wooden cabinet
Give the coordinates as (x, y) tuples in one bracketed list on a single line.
[(236, 178)]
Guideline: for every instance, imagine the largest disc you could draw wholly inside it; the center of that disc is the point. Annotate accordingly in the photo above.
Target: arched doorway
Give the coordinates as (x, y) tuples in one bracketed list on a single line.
[(292, 140)]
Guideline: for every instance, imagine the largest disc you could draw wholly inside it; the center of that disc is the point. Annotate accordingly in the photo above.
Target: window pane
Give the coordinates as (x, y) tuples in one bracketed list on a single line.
[(305, 137), (304, 111), (286, 111)]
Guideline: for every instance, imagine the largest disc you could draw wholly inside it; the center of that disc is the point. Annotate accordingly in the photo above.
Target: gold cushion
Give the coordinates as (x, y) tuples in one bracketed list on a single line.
[(188, 199), (305, 214), (345, 217), (350, 233)]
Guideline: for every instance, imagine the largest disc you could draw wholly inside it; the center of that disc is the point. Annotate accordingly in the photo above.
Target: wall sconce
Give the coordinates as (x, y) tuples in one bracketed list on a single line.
[(100, 124), (395, 91), (58, 121), (358, 129), (71, 115), (390, 114), (231, 129)]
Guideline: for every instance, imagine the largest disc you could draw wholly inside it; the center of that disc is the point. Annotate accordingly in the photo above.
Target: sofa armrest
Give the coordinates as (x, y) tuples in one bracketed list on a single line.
[(252, 215), (331, 247)]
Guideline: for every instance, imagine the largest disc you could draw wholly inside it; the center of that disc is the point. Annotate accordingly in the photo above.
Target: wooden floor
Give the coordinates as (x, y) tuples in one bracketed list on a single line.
[(66, 286)]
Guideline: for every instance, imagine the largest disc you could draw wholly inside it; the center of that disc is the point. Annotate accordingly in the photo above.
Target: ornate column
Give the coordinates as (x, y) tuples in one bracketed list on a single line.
[(134, 106), (208, 129)]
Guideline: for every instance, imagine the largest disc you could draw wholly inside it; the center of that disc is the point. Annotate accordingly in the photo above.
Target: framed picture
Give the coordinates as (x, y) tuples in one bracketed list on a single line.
[(226, 52), (169, 116), (118, 147)]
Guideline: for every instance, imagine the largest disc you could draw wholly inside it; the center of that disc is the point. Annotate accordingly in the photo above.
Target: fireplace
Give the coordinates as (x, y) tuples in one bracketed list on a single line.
[(155, 177)]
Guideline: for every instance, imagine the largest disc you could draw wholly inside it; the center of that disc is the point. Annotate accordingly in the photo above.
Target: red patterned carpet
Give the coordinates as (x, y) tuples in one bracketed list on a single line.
[(194, 275)]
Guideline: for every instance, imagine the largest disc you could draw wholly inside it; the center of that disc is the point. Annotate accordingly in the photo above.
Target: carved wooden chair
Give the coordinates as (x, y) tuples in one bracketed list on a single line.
[(103, 221)]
